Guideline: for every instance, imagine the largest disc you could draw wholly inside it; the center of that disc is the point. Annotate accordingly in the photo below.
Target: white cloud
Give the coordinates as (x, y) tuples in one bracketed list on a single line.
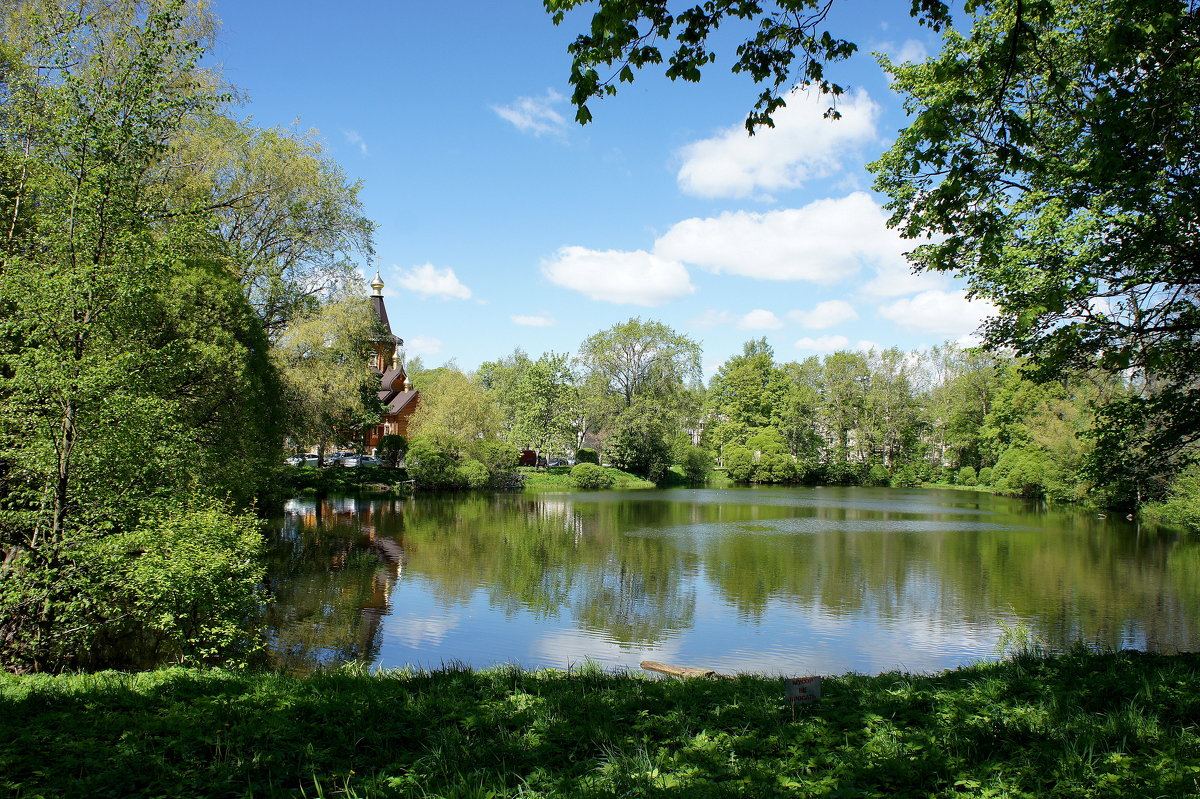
[(823, 343), (910, 51), (357, 140), (936, 311), (830, 313), (537, 320), (535, 115), (429, 281), (637, 278), (422, 345), (802, 145), (867, 346), (759, 319), (824, 242)]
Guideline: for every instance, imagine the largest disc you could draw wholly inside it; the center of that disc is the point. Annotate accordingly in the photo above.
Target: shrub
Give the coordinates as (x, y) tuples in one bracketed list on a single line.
[(739, 463), (985, 476), (391, 448), (587, 455), (429, 465), (590, 475), (775, 468), (1182, 507), (697, 463), (473, 474), (878, 475), (639, 444), (196, 580), (966, 476), (909, 476)]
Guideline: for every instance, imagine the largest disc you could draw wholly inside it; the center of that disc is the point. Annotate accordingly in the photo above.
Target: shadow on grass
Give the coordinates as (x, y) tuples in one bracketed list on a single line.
[(1079, 725)]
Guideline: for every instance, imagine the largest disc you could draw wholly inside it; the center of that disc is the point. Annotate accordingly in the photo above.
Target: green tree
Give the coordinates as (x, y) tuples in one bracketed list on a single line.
[(132, 372), (640, 385), (1052, 152), (786, 43), (330, 387), (285, 219)]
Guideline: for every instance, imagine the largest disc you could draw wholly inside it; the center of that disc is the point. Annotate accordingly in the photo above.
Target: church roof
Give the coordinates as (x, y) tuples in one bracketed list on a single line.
[(396, 400)]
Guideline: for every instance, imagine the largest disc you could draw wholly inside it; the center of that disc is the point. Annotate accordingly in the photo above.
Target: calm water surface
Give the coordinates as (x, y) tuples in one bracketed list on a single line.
[(775, 581)]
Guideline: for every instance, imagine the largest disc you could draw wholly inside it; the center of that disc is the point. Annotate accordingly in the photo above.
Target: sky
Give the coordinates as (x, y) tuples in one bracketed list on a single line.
[(502, 223)]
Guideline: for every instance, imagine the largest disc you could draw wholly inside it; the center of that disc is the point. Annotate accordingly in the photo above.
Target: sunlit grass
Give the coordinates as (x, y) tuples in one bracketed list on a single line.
[(1081, 724)]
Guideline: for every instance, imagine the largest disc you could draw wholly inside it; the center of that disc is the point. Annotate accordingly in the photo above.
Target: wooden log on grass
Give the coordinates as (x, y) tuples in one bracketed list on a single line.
[(680, 671)]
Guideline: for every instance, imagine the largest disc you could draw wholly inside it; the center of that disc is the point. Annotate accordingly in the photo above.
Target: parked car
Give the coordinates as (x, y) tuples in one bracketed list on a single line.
[(368, 460), (303, 459), (349, 459)]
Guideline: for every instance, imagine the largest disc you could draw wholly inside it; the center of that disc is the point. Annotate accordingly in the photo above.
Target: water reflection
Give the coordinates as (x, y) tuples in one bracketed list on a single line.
[(767, 580)]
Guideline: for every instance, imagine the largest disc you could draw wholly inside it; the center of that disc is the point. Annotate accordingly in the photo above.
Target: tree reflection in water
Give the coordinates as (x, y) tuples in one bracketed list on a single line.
[(700, 572)]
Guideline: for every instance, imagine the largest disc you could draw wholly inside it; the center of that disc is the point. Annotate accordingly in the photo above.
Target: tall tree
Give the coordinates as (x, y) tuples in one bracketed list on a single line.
[(324, 359), (642, 377), (120, 351), (1053, 153)]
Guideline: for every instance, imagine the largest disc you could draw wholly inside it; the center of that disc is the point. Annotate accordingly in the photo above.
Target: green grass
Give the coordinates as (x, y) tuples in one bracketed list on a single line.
[(1079, 725), (558, 478)]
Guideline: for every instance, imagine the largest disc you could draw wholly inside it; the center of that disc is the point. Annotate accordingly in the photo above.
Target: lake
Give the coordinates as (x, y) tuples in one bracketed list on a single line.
[(767, 580)]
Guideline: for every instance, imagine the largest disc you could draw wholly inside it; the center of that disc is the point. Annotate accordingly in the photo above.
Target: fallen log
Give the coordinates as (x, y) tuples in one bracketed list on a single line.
[(680, 671)]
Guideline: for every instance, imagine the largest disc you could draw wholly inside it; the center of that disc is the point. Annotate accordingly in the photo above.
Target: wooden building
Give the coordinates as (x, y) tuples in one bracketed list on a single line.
[(396, 392)]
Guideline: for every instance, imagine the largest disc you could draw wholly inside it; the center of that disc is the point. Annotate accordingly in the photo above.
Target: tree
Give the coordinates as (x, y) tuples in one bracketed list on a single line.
[(785, 44), (1053, 154), (641, 377), (132, 372), (285, 219), (324, 360)]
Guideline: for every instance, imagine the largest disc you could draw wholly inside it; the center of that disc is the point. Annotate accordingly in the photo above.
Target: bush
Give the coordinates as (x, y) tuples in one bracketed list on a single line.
[(391, 448), (878, 475), (590, 475), (473, 474), (587, 455), (985, 476), (909, 476), (966, 476), (775, 468), (739, 464), (430, 466), (196, 581), (1182, 507), (639, 444), (697, 463)]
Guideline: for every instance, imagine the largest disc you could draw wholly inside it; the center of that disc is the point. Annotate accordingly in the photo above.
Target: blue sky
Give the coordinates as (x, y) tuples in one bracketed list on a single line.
[(504, 224)]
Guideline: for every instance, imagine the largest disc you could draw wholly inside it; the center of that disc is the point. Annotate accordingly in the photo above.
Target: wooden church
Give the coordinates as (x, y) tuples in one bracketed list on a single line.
[(395, 390)]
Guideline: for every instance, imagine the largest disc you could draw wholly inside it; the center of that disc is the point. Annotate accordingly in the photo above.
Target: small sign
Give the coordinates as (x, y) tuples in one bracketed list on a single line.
[(802, 690)]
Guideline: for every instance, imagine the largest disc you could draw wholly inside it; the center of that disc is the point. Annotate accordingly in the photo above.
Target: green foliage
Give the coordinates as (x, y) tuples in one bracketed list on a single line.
[(195, 581), (640, 443), (586, 455), (878, 475), (985, 476), (392, 448), (739, 464), (907, 477), (1182, 505), (1077, 725), (697, 464), (430, 465), (132, 370), (589, 475), (473, 474), (1051, 159), (966, 476)]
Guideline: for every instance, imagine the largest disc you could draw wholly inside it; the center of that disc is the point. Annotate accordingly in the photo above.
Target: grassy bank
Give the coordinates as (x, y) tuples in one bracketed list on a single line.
[(311, 481), (1082, 725), (558, 478)]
